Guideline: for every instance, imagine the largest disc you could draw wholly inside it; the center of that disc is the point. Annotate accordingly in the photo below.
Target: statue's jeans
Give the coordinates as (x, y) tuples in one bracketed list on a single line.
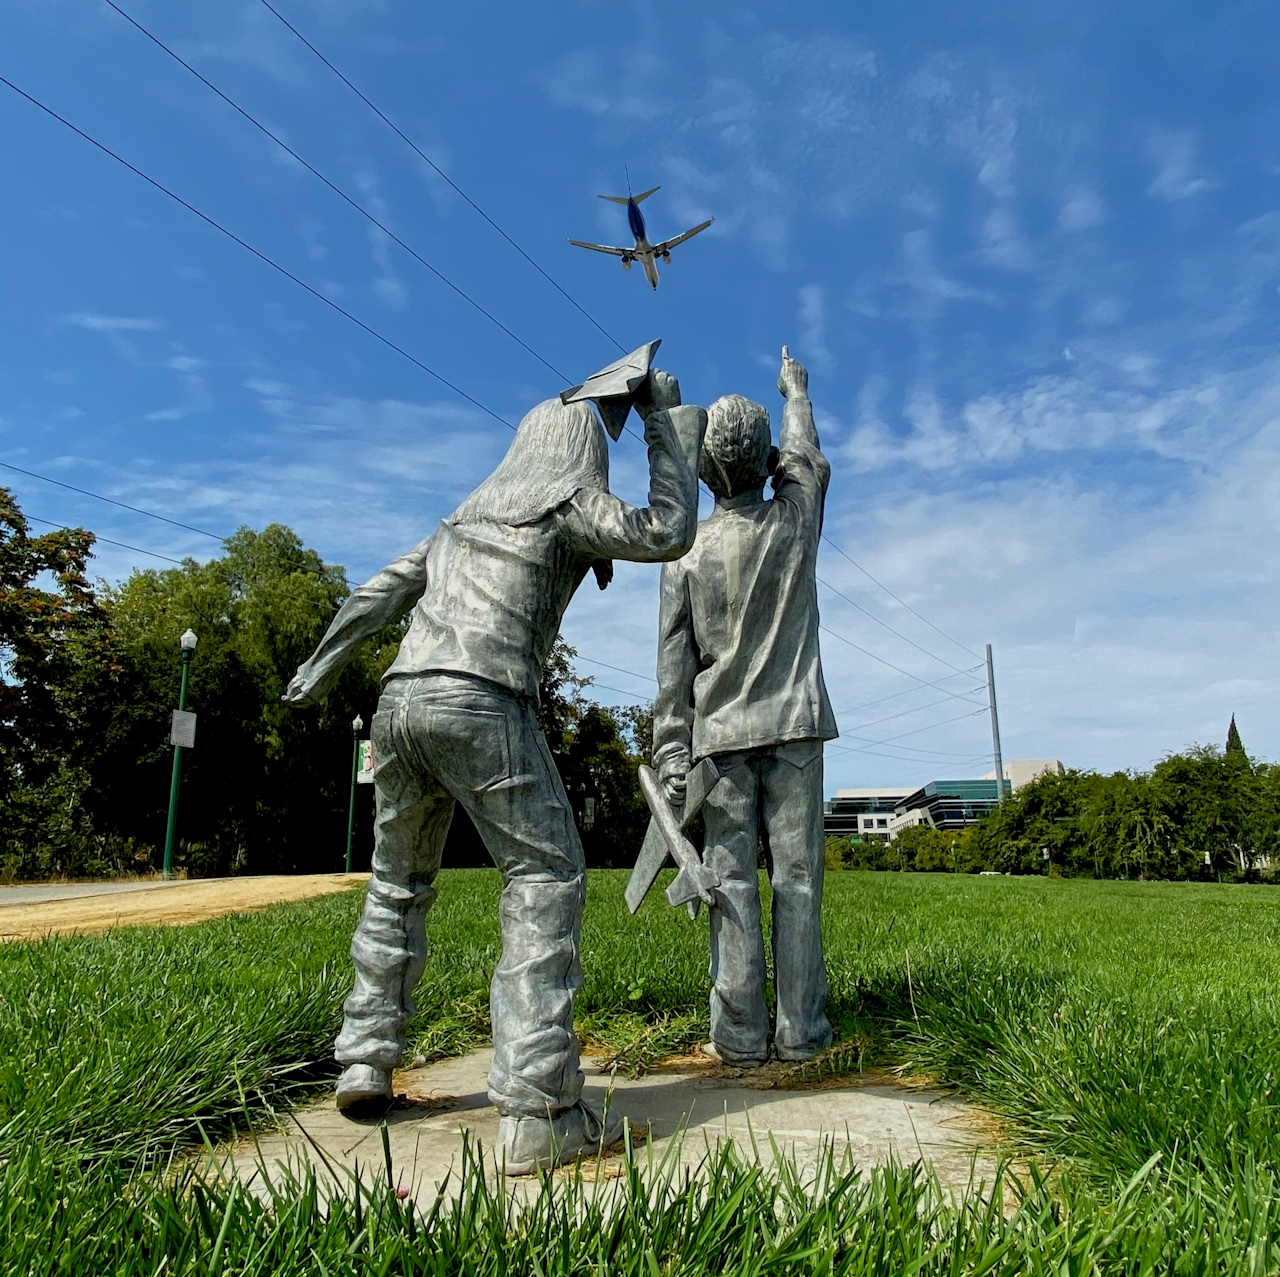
[(438, 739), (772, 796)]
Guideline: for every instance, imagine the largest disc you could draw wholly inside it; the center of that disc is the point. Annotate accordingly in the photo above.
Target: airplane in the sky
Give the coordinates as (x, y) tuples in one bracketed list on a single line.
[(645, 253)]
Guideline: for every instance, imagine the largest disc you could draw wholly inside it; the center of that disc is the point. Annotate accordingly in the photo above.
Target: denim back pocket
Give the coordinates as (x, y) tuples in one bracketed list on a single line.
[(468, 748)]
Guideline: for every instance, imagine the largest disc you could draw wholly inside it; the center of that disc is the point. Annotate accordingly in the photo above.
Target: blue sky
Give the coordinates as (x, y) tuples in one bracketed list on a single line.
[(1031, 254)]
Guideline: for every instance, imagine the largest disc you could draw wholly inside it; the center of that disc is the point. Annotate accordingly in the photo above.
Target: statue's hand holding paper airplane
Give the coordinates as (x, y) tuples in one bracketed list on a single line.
[(695, 884)]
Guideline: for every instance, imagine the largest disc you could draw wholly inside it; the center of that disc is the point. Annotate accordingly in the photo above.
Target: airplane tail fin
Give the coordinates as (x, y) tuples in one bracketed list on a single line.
[(623, 199)]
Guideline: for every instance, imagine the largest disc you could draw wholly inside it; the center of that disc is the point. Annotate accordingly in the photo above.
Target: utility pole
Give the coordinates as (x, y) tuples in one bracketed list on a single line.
[(183, 728), (995, 726), (357, 726)]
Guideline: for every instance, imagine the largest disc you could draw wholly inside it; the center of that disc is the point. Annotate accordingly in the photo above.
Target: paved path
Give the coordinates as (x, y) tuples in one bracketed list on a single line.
[(89, 907), (77, 890), (873, 1122)]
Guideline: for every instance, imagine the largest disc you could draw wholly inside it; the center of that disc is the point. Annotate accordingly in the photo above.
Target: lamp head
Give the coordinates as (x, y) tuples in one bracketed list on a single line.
[(357, 724), (188, 641)]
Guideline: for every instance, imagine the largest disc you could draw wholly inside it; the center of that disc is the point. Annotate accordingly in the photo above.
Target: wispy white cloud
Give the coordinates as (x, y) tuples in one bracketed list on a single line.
[(1172, 153), (1131, 614), (97, 323), (1082, 210), (811, 312), (197, 397), (778, 124), (115, 328), (1078, 413)]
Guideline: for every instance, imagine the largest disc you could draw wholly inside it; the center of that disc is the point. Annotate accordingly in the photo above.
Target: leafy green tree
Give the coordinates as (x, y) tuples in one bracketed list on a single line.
[(1234, 745), (1039, 817), (54, 640), (598, 750), (266, 788)]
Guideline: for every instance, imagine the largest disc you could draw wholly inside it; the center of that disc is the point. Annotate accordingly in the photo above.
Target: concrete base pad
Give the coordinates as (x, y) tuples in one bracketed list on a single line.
[(693, 1101)]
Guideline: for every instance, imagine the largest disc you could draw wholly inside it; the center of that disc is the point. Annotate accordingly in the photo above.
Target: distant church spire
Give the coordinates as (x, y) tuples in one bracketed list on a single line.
[(1234, 745)]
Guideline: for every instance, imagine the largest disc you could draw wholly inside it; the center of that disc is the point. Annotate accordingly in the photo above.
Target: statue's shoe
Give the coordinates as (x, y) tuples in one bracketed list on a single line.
[(526, 1143), (794, 1055), (712, 1052), (364, 1090)]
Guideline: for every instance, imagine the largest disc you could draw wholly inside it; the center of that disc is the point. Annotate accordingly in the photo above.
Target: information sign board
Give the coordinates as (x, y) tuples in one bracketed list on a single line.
[(182, 731)]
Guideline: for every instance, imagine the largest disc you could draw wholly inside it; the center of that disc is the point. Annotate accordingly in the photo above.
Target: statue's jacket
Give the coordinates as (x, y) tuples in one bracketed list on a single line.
[(739, 666), (488, 598)]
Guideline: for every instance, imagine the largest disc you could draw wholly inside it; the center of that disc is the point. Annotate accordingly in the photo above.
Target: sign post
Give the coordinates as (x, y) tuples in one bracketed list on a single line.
[(357, 725), (182, 735)]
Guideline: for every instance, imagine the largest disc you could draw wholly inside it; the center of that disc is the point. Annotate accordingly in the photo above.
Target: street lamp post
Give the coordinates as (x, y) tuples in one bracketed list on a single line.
[(357, 726), (188, 645)]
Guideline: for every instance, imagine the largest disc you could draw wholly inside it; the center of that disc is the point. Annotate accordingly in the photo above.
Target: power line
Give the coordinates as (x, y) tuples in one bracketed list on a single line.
[(605, 665), (217, 226), (337, 190), (97, 496), (62, 527), (834, 634), (918, 709), (898, 758), (893, 696), (917, 730), (893, 596), (887, 626), (605, 687), (150, 514), (437, 169)]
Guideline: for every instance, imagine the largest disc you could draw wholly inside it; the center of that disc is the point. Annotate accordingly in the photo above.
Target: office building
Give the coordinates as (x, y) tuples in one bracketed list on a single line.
[(878, 814)]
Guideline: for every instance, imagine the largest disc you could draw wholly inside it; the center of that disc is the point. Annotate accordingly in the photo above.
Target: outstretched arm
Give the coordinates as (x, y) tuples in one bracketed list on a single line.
[(605, 528), (379, 601), (803, 472), (798, 429), (677, 667)]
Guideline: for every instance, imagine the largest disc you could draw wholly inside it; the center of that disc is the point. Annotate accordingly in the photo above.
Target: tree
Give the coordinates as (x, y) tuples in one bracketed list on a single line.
[(52, 633), (1234, 745), (44, 635), (928, 850), (598, 750), (266, 787)]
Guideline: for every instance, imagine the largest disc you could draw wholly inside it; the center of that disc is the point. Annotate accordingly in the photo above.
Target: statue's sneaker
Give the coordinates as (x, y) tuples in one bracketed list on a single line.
[(713, 1052), (794, 1055), (364, 1090), (525, 1143)]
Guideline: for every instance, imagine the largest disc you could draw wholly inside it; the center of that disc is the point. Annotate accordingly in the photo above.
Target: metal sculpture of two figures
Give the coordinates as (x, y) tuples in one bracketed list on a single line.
[(739, 721)]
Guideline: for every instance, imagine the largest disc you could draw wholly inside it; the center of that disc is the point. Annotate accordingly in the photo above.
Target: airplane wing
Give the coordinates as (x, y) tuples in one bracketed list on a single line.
[(668, 244), (626, 254)]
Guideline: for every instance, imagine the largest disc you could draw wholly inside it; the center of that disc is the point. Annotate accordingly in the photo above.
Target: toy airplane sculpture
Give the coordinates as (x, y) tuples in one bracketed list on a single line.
[(643, 252), (666, 840)]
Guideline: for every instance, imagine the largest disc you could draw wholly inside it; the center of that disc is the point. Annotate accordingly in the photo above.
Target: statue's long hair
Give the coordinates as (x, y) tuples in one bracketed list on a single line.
[(559, 449)]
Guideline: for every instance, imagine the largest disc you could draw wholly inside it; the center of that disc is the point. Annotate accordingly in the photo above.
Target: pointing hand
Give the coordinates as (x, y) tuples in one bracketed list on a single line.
[(793, 380)]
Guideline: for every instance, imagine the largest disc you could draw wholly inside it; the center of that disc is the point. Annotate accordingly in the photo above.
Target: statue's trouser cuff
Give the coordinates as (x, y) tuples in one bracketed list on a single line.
[(774, 795), (437, 739)]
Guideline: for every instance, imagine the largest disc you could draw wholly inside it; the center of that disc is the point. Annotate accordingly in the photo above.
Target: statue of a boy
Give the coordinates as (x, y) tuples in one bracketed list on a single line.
[(456, 724), (740, 681)]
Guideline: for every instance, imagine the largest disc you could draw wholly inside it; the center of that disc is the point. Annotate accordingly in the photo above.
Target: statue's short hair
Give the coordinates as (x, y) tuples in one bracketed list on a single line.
[(735, 450)]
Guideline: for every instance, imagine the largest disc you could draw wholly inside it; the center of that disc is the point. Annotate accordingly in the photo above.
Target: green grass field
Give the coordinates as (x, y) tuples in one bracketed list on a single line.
[(1129, 1034)]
